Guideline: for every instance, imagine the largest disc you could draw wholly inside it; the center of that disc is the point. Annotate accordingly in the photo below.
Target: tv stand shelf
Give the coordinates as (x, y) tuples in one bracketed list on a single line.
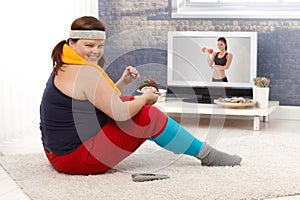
[(174, 105)]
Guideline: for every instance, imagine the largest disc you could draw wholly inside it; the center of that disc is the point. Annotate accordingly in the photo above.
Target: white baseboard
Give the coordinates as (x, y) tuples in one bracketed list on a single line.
[(286, 112)]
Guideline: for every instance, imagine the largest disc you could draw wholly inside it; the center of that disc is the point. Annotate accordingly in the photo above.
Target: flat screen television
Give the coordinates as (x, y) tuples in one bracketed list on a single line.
[(189, 74)]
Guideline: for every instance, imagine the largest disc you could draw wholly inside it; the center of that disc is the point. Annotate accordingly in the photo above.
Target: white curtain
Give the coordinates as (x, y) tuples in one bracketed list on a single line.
[(29, 31)]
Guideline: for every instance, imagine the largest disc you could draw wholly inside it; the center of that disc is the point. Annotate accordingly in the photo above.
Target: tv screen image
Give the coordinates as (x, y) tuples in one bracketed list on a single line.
[(188, 65)]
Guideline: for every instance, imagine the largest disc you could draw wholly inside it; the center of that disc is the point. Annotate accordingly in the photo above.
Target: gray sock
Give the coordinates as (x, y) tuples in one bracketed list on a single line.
[(210, 156)]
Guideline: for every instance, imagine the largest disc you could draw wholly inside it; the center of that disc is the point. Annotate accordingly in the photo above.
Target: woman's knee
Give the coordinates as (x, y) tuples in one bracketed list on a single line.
[(148, 114)]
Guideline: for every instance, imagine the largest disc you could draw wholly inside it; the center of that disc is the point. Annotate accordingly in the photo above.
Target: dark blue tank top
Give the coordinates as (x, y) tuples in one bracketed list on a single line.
[(220, 61), (67, 122)]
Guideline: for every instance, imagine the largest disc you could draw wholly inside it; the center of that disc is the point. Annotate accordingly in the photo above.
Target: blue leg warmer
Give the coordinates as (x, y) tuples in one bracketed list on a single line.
[(176, 139)]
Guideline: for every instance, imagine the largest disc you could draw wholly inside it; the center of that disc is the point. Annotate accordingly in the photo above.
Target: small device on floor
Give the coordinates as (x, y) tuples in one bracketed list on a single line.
[(148, 177)]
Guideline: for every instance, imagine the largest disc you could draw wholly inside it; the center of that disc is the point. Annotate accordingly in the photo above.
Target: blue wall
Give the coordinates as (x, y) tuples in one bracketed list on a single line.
[(137, 35)]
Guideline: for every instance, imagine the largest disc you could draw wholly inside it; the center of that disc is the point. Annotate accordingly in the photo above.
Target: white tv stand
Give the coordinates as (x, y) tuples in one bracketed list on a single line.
[(174, 105)]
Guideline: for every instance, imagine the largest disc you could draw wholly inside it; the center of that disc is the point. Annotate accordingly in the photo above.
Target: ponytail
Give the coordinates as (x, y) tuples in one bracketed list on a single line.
[(56, 56)]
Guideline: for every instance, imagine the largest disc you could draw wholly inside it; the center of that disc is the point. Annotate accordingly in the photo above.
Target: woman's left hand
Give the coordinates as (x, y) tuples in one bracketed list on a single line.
[(130, 74)]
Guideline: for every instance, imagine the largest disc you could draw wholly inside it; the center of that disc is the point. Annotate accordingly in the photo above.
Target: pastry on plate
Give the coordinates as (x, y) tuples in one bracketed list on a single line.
[(148, 84)]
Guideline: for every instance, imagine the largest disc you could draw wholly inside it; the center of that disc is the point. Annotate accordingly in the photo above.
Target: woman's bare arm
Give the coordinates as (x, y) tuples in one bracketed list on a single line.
[(100, 92)]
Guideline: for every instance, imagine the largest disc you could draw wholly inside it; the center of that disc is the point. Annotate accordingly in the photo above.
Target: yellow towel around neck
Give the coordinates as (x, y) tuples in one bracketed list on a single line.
[(69, 56)]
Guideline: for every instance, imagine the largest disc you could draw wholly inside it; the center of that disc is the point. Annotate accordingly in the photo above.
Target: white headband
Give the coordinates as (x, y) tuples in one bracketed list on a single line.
[(86, 34)]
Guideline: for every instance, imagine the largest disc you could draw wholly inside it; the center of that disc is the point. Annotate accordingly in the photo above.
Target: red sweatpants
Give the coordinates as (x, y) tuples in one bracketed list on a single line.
[(114, 142)]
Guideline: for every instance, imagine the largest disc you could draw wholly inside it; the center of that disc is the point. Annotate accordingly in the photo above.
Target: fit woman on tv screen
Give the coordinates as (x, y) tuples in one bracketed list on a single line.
[(209, 59)]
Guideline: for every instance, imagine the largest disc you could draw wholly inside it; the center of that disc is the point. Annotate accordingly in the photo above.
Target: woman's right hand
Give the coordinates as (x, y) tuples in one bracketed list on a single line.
[(151, 97)]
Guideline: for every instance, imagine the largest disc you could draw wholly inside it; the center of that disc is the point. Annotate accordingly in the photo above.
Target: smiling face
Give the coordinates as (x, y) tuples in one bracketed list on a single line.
[(89, 49), (221, 45)]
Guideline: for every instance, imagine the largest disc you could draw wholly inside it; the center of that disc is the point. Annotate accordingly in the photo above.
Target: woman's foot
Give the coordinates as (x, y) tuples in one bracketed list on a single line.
[(210, 156)]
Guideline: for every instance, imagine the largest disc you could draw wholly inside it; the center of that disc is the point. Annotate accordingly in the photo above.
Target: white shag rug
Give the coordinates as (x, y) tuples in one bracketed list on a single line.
[(270, 169)]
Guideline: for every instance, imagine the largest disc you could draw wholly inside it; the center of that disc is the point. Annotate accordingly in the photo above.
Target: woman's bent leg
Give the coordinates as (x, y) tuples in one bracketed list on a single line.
[(114, 142), (177, 139)]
